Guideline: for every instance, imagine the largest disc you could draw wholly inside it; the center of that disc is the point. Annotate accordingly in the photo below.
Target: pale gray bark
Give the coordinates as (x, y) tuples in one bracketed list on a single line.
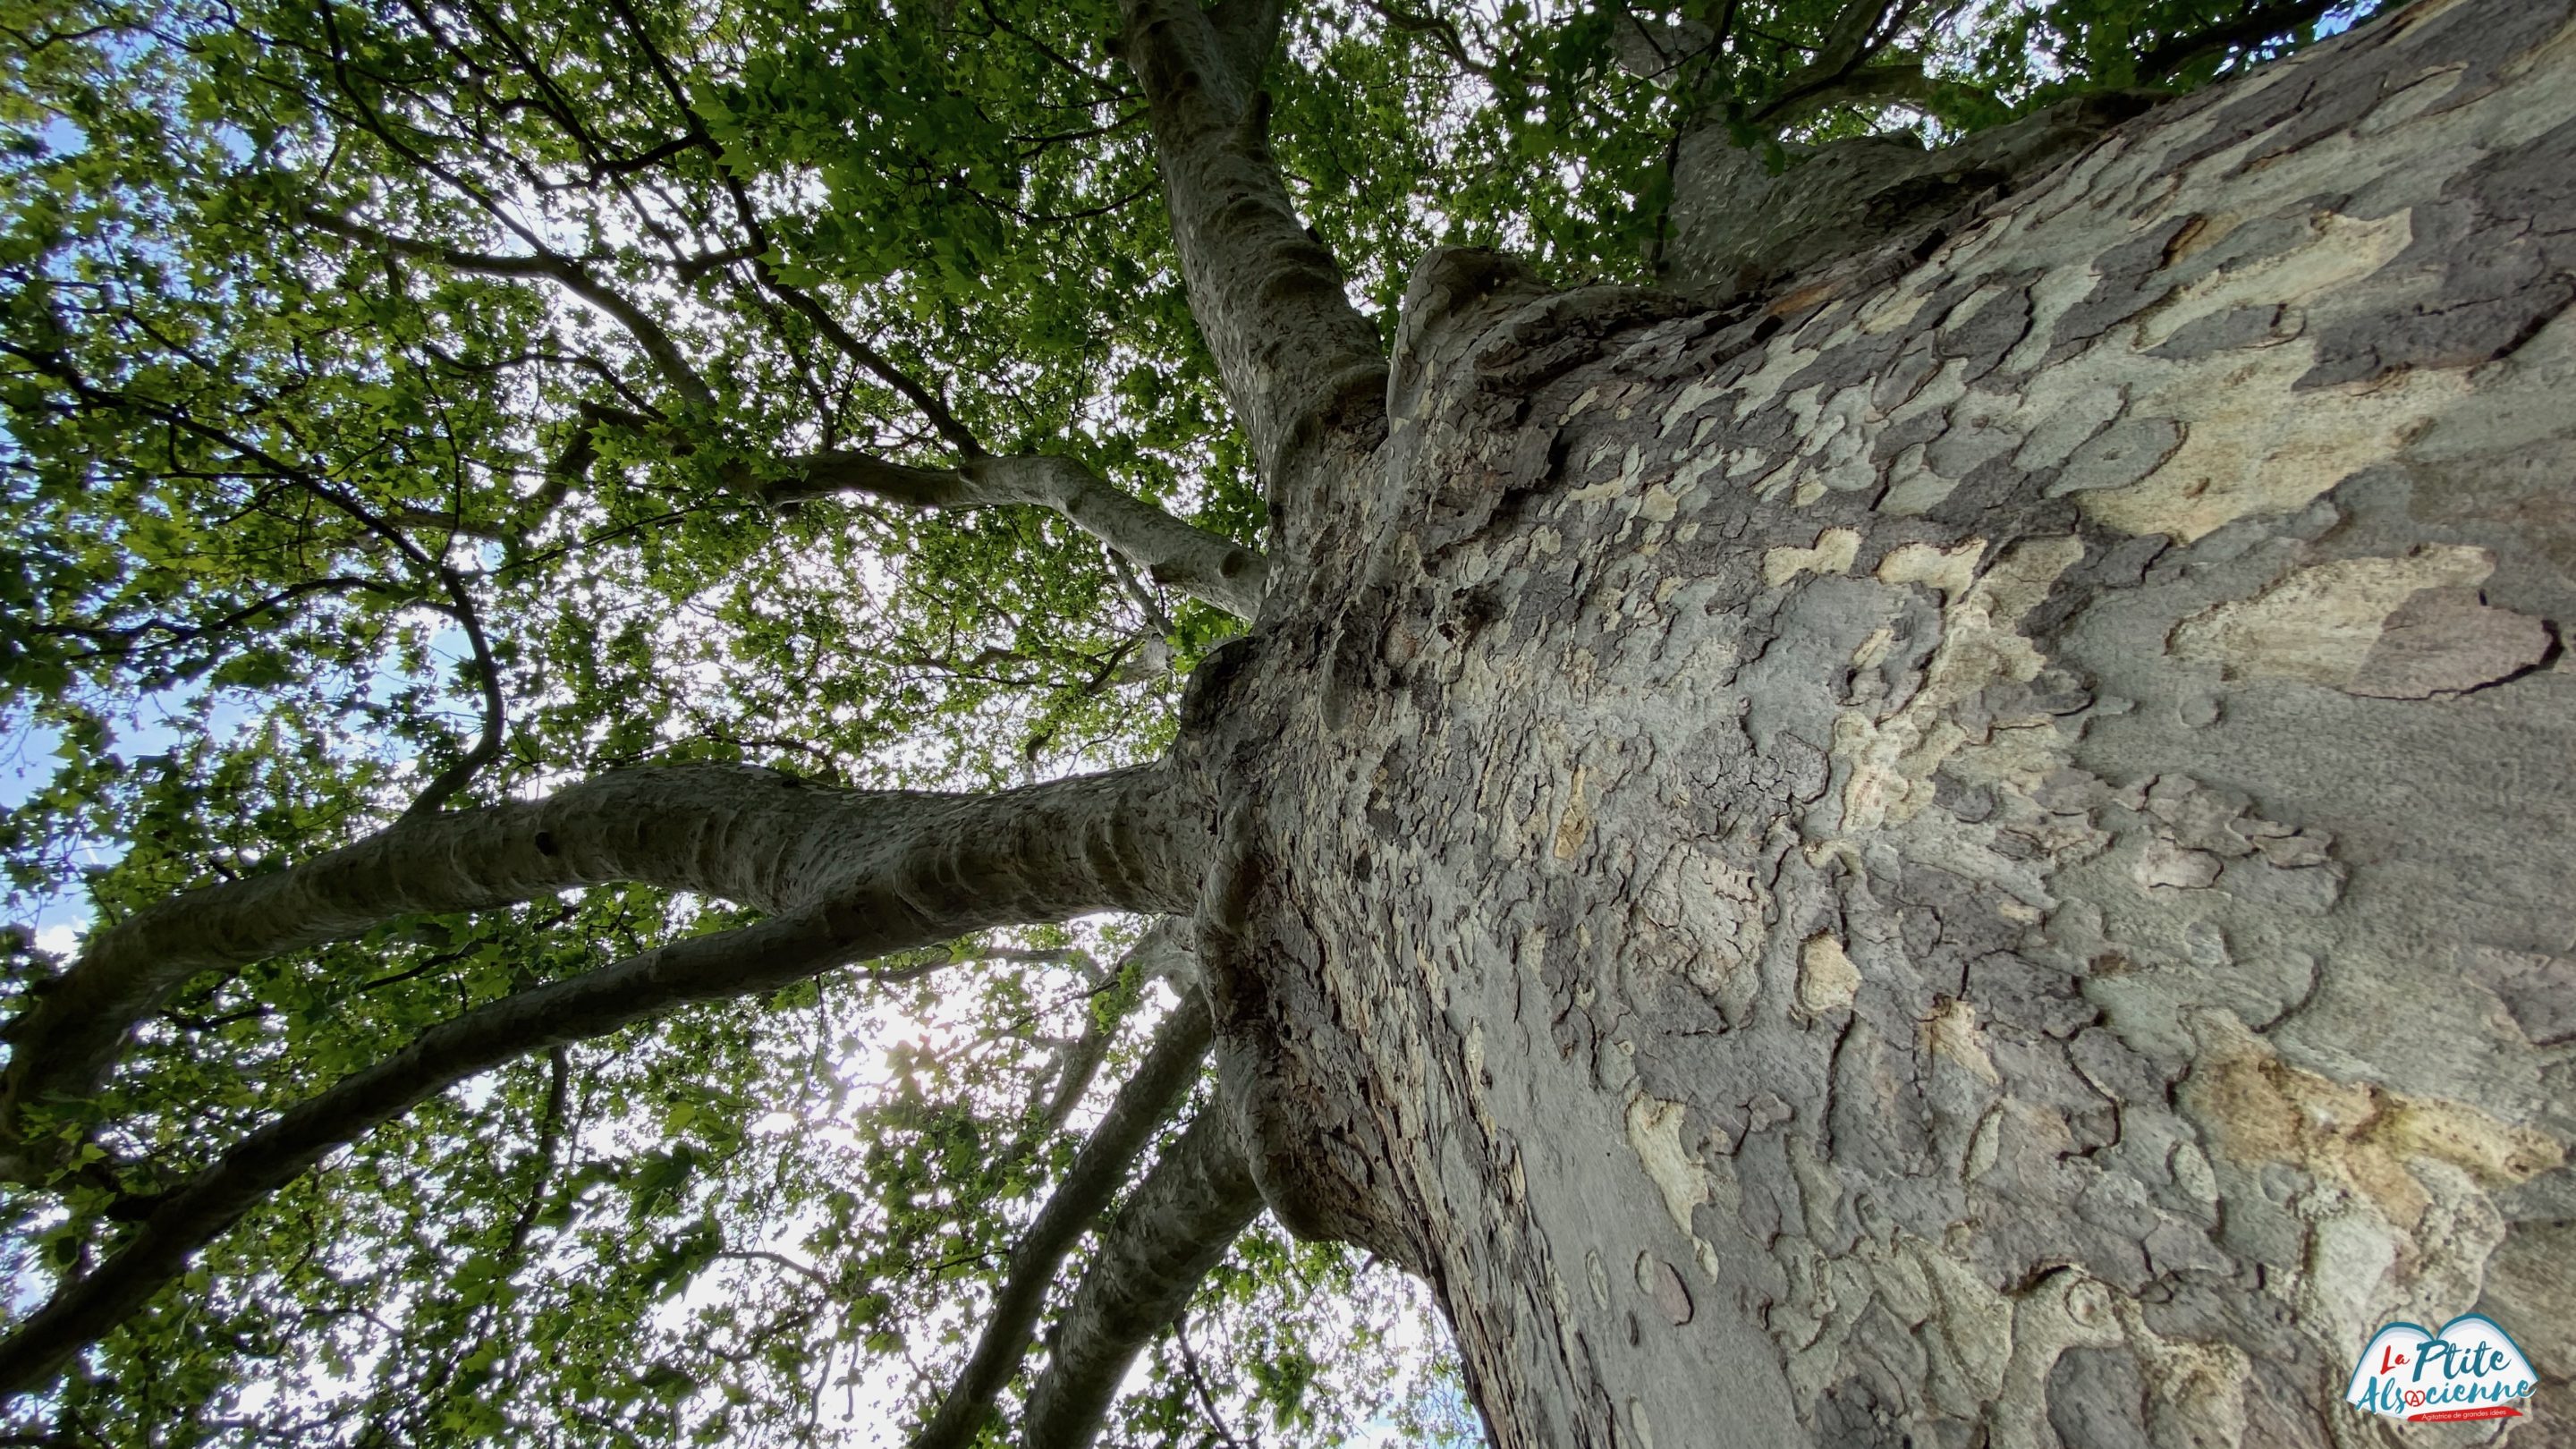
[(1971, 850), (1204, 565), (1196, 1201), (1292, 351), (758, 837), (1736, 226), (914, 870), (1143, 1102)]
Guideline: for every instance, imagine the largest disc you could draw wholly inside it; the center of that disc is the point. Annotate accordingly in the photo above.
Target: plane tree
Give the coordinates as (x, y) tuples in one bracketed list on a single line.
[(792, 722)]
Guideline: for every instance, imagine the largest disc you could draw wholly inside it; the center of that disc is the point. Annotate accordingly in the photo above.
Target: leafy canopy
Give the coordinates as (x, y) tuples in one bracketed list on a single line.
[(390, 395)]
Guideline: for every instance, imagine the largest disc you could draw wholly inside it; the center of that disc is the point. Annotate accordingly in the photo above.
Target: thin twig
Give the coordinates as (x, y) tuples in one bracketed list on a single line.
[(1198, 1382)]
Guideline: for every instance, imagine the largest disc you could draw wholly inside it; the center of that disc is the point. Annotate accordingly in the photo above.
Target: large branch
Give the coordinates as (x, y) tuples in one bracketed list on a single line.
[(910, 907), (754, 836), (932, 406), (1142, 1104), (1267, 295), (1901, 80), (1858, 29), (1204, 565), (1840, 72), (1196, 1201), (1443, 34), (2262, 22), (572, 276)]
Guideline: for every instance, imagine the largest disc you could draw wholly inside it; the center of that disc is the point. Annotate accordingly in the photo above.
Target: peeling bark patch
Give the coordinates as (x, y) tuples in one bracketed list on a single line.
[(2119, 455), (1663, 1283), (2309, 255), (1998, 322), (1833, 553), (1891, 760), (1655, 1132), (1575, 822), (2389, 628), (2097, 1398), (1953, 1034), (2253, 447), (2502, 243), (1827, 980), (2448, 641), (2256, 325), (2126, 282), (2264, 1110), (1950, 570), (2165, 865), (2262, 437)]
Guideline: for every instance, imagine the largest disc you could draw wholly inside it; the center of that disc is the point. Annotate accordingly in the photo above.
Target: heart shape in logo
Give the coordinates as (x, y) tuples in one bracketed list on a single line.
[(2469, 1370)]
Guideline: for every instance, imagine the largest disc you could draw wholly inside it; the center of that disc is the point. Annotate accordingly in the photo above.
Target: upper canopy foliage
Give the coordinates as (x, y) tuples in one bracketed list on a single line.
[(409, 404)]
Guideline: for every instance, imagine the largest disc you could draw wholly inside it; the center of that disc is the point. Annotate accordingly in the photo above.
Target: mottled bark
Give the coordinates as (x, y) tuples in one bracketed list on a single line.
[(1267, 296), (919, 869), (1193, 1204), (753, 836), (1144, 1100), (1972, 851)]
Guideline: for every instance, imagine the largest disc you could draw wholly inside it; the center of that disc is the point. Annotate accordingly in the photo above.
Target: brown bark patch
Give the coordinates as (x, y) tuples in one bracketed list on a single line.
[(2263, 1110), (2448, 641)]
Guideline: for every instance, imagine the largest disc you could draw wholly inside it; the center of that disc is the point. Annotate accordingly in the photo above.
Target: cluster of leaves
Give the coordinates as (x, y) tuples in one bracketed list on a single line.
[(385, 391), (1549, 129), (769, 1222), (282, 499)]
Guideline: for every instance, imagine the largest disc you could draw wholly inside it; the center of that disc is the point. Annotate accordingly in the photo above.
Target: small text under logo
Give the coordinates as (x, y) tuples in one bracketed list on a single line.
[(2469, 1370)]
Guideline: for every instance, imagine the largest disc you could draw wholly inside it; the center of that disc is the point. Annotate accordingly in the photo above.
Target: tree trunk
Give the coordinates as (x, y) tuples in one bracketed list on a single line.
[(1974, 851)]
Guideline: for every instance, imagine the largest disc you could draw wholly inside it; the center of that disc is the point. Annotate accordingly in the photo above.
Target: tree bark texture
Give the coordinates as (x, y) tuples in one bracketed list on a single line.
[(850, 875), (868, 866), (1973, 851), (1268, 297)]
